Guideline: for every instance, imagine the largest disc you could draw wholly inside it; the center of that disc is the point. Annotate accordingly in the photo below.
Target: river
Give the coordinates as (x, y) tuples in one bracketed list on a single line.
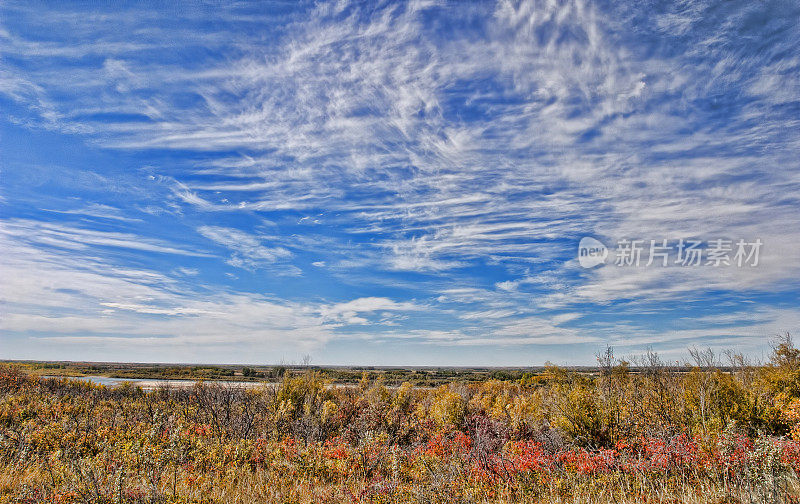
[(154, 383)]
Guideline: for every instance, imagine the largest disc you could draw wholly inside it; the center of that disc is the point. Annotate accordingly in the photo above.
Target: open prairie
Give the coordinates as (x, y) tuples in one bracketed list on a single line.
[(659, 434)]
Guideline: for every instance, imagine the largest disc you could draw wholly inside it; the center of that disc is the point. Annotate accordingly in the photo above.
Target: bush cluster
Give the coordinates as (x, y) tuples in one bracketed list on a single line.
[(644, 433)]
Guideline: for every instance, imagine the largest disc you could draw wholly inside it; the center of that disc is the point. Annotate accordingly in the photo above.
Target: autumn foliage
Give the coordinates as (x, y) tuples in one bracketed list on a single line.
[(646, 434)]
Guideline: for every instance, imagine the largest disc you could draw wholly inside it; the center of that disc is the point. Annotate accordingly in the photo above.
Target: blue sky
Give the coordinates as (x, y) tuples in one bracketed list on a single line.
[(393, 183)]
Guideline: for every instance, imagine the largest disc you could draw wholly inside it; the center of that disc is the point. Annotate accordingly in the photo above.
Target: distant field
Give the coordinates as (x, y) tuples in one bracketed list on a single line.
[(422, 376), (392, 376)]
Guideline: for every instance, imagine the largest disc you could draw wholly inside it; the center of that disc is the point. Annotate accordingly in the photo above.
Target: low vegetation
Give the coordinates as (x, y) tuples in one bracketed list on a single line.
[(625, 434), (421, 376)]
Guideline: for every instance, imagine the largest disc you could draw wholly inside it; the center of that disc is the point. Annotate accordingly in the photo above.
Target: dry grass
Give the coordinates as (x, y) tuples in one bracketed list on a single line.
[(559, 438)]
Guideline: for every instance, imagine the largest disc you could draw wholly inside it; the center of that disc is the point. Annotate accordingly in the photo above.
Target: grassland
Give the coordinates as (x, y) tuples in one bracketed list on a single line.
[(615, 433), (392, 376)]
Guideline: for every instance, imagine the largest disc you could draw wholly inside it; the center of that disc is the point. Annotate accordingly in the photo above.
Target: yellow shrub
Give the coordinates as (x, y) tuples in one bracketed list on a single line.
[(448, 408)]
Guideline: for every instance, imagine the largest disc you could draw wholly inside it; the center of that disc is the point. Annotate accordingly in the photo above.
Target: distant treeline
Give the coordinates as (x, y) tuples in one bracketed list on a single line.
[(392, 376)]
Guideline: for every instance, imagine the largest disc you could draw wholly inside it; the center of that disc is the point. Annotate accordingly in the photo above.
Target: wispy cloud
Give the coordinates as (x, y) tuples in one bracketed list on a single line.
[(248, 252), (97, 210), (76, 238)]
